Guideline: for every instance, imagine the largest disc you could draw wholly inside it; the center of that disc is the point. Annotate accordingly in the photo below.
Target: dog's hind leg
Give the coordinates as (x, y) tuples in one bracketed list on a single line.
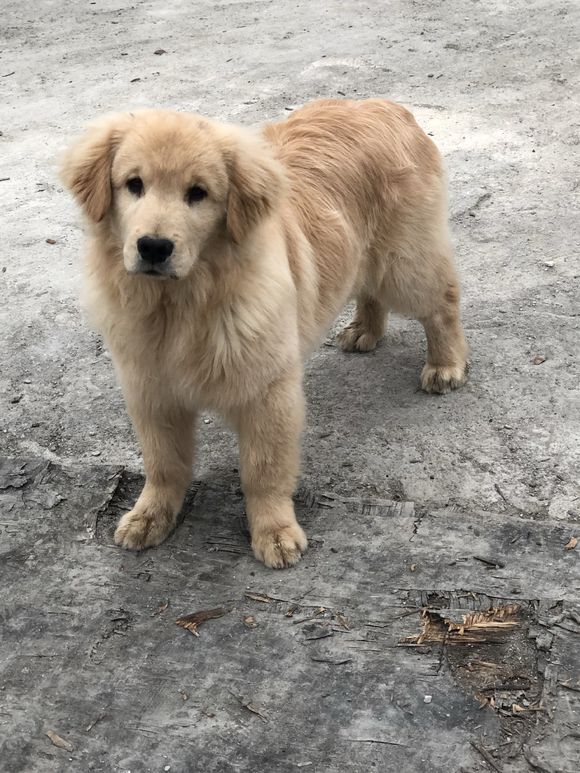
[(427, 288), (367, 327), (446, 366)]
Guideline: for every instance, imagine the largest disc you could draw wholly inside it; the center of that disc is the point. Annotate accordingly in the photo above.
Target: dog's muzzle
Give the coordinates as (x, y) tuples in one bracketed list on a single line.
[(154, 253)]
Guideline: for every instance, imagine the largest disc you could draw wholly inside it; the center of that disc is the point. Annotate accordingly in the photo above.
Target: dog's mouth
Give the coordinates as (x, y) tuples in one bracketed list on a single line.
[(158, 274), (153, 273)]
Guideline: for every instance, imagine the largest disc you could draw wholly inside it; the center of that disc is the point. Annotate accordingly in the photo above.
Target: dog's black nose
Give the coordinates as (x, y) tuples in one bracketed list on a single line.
[(154, 250)]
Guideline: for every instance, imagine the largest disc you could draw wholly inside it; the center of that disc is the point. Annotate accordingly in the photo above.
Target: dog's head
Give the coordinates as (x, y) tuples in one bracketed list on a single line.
[(165, 184)]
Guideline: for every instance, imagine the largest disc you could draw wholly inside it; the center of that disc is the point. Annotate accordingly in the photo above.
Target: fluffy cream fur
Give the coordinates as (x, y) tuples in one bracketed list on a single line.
[(344, 199)]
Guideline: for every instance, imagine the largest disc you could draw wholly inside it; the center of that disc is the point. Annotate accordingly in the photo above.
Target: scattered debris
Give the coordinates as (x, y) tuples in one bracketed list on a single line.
[(571, 544), (538, 359), (500, 492), (341, 619), (517, 709), (317, 631), (56, 740), (332, 662), (259, 597), (161, 609), (250, 707), (486, 755), (491, 562), (192, 622), (544, 641), (94, 722), (51, 241), (474, 626), (377, 740), (567, 686), (47, 498), (250, 621), (314, 616), (134, 80), (160, 51)]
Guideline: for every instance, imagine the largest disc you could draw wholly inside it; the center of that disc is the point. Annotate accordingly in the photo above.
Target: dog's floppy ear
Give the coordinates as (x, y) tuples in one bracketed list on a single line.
[(256, 184), (86, 167)]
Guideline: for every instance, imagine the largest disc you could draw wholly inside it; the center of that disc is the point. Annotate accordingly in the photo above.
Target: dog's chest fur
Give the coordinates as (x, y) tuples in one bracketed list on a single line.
[(210, 355)]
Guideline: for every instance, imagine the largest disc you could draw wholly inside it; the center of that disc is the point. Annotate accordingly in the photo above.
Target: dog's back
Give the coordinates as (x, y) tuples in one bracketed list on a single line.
[(358, 155), (366, 186)]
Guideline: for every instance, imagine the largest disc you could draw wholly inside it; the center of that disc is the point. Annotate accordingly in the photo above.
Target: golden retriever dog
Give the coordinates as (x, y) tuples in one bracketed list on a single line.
[(218, 259)]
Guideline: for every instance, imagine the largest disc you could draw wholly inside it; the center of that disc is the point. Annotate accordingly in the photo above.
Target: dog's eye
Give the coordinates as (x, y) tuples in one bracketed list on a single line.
[(135, 186), (195, 193)]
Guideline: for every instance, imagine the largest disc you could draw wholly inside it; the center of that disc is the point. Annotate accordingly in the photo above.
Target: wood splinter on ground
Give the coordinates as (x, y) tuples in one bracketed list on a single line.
[(56, 740), (474, 626), (259, 597), (192, 622), (162, 608), (250, 706)]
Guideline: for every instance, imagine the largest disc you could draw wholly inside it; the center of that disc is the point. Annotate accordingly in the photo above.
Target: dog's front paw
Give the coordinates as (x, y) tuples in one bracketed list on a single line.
[(144, 526), (443, 378), (280, 547), (354, 338)]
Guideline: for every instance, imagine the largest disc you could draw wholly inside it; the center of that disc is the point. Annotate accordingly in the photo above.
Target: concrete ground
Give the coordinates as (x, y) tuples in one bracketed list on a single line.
[(496, 85)]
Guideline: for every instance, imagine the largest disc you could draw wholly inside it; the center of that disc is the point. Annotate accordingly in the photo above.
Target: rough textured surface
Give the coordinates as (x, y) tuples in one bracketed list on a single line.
[(317, 667), (497, 85)]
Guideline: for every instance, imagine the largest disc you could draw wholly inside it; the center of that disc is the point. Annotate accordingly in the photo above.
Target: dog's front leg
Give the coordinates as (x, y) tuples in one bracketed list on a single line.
[(166, 438), (269, 433)]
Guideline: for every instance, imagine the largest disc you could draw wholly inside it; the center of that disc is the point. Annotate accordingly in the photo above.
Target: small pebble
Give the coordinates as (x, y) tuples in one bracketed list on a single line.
[(549, 263), (427, 699)]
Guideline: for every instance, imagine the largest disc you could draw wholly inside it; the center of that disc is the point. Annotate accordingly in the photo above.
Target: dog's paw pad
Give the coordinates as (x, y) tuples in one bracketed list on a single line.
[(144, 528), (280, 548), (442, 379), (355, 339)]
